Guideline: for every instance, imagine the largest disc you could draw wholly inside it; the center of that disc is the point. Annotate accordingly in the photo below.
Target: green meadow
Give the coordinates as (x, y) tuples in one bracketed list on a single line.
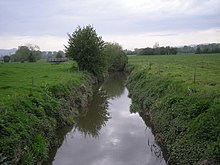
[(22, 79), (180, 95), (35, 100), (180, 92), (182, 68)]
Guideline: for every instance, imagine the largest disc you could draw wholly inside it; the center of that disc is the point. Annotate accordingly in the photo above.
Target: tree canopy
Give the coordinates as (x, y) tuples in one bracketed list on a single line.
[(117, 59), (86, 48), (30, 53), (156, 51)]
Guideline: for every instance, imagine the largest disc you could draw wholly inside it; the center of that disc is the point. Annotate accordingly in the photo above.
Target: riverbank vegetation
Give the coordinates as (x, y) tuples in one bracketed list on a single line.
[(116, 57), (36, 99), (181, 95)]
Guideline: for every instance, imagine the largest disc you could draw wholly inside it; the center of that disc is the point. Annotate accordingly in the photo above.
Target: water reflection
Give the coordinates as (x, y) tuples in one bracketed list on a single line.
[(155, 149), (91, 120), (114, 85), (108, 134)]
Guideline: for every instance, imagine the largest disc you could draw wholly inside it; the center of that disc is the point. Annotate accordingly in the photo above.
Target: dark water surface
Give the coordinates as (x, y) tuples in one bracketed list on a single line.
[(107, 133)]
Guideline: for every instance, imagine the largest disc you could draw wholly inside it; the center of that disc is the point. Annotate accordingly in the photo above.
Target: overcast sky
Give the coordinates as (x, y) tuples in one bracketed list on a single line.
[(131, 23)]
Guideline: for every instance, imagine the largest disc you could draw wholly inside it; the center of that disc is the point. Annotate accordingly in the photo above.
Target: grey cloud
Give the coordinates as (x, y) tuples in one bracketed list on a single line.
[(161, 34), (109, 17)]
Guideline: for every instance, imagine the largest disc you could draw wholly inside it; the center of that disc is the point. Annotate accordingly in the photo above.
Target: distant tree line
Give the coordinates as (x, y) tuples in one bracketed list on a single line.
[(153, 51), (29, 53), (210, 48), (198, 49), (32, 53), (186, 49), (53, 54)]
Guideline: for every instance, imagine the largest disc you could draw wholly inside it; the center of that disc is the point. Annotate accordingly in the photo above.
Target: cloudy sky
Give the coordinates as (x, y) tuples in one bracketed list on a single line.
[(132, 23)]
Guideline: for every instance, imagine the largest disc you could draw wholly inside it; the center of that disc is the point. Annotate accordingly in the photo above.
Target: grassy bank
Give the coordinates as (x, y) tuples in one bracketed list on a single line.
[(23, 78), (185, 114), (35, 100)]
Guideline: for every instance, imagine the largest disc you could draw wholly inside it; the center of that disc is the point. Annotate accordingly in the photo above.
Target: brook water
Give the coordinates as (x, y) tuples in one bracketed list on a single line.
[(107, 133)]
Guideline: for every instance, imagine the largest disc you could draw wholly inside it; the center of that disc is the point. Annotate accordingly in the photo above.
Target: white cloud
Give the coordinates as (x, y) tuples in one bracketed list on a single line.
[(44, 42), (166, 38), (141, 40), (113, 19)]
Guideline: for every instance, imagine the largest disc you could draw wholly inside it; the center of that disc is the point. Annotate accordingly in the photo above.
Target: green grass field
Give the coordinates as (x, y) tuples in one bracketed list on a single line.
[(185, 113), (35, 100), (182, 67), (20, 79), (188, 121)]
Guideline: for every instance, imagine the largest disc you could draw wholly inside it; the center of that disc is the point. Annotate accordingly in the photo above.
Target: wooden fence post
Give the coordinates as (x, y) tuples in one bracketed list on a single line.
[(32, 85), (194, 78), (159, 68)]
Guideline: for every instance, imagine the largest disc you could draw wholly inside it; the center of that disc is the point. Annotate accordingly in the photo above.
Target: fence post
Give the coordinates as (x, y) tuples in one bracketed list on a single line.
[(159, 68), (194, 78), (32, 85)]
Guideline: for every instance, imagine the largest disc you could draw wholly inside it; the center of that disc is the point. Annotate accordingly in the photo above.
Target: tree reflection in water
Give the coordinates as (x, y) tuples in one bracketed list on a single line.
[(114, 85), (92, 119), (89, 122), (120, 141)]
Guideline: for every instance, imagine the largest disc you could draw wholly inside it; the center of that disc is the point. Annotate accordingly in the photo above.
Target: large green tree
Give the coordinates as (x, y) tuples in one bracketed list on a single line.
[(22, 53), (30, 53), (86, 48), (117, 59)]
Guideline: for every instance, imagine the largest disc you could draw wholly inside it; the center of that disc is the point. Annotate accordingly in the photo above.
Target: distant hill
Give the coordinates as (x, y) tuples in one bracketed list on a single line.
[(4, 52)]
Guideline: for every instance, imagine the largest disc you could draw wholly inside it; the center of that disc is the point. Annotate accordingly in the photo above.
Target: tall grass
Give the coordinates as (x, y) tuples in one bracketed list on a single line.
[(35, 100), (185, 113)]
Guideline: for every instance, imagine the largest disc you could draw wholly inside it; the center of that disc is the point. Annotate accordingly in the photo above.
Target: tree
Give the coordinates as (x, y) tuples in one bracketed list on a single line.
[(60, 54), (29, 52), (31, 57), (116, 57), (86, 48), (22, 54), (198, 50), (173, 50), (6, 58)]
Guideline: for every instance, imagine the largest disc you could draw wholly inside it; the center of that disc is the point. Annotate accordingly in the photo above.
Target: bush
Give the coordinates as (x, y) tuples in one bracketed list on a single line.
[(6, 58), (116, 57)]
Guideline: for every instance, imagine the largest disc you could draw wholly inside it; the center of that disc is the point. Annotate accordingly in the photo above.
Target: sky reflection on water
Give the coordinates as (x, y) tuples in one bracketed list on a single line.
[(119, 138)]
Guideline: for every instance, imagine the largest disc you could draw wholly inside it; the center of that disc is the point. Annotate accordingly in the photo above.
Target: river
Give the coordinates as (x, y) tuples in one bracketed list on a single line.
[(107, 133)]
